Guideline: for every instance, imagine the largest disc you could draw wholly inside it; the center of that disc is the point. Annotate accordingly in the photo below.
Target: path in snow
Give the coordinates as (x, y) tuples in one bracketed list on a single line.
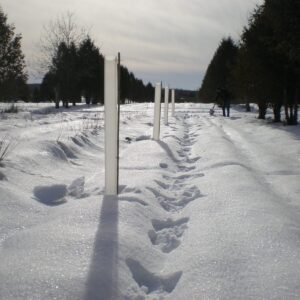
[(210, 212), (241, 235)]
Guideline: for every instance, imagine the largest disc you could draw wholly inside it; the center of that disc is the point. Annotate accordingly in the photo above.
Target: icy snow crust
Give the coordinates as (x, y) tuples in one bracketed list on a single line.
[(210, 212)]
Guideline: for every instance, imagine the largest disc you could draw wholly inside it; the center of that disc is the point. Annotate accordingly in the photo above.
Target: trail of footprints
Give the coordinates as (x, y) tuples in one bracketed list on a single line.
[(173, 194)]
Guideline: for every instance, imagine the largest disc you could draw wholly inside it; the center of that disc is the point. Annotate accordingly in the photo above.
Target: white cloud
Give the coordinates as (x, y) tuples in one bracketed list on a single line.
[(170, 39)]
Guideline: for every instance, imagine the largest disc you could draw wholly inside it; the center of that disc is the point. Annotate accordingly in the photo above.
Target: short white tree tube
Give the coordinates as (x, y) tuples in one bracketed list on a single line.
[(157, 109), (166, 105), (173, 103), (111, 125)]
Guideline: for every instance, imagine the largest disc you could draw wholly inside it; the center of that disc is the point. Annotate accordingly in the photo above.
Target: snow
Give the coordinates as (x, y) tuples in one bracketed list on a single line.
[(211, 211)]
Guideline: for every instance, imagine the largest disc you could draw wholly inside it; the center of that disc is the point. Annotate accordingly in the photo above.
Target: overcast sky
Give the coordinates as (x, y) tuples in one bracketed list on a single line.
[(160, 40)]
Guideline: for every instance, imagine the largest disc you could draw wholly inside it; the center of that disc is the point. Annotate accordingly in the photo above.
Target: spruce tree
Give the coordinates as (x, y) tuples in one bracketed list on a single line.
[(258, 73), (12, 75), (91, 71), (283, 17), (218, 73)]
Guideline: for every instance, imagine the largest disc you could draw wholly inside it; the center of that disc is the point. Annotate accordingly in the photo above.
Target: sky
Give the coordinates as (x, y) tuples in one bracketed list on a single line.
[(171, 41)]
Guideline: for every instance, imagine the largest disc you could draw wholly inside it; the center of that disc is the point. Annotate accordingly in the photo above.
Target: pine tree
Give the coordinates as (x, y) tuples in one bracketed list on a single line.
[(12, 75), (48, 88), (218, 73), (283, 17), (65, 70), (258, 72), (268, 60), (77, 71), (91, 71)]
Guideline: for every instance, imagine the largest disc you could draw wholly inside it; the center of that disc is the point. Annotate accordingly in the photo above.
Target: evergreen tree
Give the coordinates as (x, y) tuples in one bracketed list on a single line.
[(80, 71), (12, 75), (134, 89), (125, 84), (218, 73), (65, 69), (149, 92), (268, 60), (91, 71), (48, 87), (258, 72), (283, 17)]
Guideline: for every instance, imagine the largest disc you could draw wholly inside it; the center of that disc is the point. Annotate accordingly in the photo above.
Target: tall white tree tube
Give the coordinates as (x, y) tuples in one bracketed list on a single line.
[(173, 103), (111, 125), (157, 110), (166, 105)]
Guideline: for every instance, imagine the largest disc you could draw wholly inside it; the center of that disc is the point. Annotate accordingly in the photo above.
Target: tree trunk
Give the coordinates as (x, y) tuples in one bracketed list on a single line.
[(296, 106), (277, 111), (94, 100), (262, 110), (285, 100), (56, 97), (248, 108)]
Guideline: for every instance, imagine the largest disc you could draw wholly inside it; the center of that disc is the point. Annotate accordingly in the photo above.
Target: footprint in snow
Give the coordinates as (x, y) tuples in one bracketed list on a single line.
[(183, 177), (175, 186), (171, 204), (151, 283), (162, 184), (186, 149), (192, 160), (186, 169), (166, 234), (181, 154), (132, 199), (163, 165), (129, 194)]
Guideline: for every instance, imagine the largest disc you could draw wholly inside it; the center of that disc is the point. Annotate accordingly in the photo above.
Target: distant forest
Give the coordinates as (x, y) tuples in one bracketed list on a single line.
[(73, 66), (264, 66), (78, 71)]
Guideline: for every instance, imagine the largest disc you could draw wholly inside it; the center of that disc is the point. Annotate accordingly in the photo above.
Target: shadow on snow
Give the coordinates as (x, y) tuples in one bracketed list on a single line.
[(102, 281)]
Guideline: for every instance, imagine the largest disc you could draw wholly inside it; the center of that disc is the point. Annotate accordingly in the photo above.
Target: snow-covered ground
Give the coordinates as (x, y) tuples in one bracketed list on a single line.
[(210, 212)]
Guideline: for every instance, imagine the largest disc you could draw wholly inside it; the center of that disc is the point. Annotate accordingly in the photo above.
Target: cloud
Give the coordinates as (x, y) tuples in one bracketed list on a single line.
[(170, 39)]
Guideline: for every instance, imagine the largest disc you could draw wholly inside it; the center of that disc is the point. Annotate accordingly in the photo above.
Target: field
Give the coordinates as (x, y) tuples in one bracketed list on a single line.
[(212, 211)]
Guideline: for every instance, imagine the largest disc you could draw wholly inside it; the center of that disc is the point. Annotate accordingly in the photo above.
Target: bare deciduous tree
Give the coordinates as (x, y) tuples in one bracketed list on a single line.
[(65, 29)]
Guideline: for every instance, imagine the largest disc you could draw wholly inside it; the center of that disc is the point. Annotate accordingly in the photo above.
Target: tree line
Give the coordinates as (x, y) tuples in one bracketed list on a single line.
[(78, 71), (264, 66), (73, 66)]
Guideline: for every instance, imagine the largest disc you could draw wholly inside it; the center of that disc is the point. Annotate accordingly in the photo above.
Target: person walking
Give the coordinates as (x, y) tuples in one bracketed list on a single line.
[(223, 96)]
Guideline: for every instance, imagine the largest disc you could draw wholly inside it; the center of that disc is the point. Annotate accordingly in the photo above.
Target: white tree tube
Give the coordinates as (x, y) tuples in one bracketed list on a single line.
[(157, 109), (166, 105), (111, 125), (173, 103)]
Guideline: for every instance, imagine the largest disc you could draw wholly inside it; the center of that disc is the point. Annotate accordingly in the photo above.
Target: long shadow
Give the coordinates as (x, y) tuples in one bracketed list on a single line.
[(102, 282), (169, 152)]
